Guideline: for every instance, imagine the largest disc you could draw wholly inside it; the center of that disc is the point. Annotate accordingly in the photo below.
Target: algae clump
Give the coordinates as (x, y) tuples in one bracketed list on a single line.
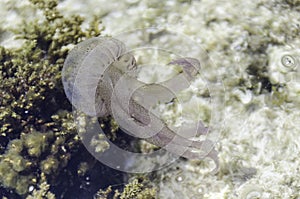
[(37, 131), (136, 189)]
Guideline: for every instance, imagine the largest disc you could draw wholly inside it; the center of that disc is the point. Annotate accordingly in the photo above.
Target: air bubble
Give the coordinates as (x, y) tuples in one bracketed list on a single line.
[(200, 190), (179, 179), (288, 61), (31, 188)]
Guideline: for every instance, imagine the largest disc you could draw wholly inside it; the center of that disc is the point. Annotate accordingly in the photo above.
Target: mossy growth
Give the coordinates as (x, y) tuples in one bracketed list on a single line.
[(37, 131), (26, 162), (138, 188), (41, 193), (135, 189)]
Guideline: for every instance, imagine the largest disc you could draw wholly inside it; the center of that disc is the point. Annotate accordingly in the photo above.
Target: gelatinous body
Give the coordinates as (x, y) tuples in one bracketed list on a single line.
[(99, 79)]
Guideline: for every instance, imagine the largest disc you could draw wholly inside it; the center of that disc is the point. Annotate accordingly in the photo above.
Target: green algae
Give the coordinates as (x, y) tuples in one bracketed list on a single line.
[(136, 189), (41, 193), (36, 124)]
